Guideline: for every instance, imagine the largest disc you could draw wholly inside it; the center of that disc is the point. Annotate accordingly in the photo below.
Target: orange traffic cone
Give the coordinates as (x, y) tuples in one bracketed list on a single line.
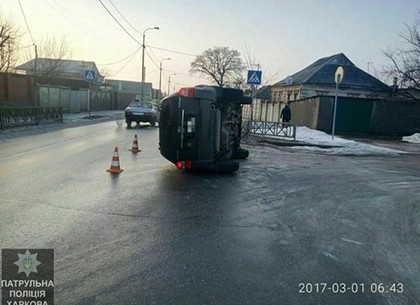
[(115, 164), (135, 148)]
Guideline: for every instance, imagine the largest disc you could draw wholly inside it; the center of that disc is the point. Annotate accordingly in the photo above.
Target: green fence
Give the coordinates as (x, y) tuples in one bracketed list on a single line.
[(19, 116)]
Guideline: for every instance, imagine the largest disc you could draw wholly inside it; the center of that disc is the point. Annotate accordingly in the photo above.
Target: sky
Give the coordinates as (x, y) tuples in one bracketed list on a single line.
[(280, 36)]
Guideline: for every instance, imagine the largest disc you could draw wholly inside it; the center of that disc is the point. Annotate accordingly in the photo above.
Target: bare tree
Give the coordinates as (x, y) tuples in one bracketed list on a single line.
[(49, 64), (405, 60), (222, 65), (250, 58), (105, 72), (252, 63), (9, 44)]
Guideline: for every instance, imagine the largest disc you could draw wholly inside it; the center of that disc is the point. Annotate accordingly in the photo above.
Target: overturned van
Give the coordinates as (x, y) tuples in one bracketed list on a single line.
[(200, 128)]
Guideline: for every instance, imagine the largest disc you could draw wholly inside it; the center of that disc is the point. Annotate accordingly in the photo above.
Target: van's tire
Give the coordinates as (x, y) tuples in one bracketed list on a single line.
[(128, 124), (240, 154)]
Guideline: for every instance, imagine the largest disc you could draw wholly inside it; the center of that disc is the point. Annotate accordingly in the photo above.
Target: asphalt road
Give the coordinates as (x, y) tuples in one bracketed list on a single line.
[(288, 222)]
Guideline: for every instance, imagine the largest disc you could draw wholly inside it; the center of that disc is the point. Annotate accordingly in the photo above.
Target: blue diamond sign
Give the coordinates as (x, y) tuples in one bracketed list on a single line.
[(254, 77), (90, 75)]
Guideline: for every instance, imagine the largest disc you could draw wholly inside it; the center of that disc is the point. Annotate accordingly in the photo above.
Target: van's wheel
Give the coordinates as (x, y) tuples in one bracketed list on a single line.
[(128, 124)]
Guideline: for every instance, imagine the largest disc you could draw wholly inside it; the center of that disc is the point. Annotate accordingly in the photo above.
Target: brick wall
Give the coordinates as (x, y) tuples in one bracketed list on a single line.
[(16, 90)]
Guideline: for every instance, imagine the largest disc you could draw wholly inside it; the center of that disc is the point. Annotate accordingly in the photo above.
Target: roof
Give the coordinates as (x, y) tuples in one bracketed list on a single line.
[(264, 93), (322, 72), (129, 86), (66, 65)]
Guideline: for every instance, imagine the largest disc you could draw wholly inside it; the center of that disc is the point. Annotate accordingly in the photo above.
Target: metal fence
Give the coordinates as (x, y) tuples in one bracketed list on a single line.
[(18, 116), (285, 130)]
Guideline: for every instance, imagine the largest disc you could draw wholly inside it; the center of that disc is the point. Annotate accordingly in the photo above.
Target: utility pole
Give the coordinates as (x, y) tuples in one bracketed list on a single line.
[(142, 61), (169, 83), (339, 74), (160, 78)]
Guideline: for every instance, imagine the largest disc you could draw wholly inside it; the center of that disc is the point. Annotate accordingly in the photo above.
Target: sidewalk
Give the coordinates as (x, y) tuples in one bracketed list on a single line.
[(69, 120), (94, 115)]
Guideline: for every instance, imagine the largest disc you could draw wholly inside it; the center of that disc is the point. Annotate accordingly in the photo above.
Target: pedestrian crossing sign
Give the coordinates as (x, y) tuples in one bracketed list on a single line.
[(90, 75), (254, 77)]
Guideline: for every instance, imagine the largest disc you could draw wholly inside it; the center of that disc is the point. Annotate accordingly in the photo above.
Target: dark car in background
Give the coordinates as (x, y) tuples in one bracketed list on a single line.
[(141, 112), (200, 128)]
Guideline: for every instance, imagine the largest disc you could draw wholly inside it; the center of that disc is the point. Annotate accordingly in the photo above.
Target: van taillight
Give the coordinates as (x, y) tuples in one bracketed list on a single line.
[(186, 92), (183, 164)]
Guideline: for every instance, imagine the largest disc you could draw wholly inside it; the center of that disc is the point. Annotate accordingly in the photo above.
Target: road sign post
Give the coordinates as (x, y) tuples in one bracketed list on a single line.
[(90, 76), (253, 79), (88, 100), (339, 74)]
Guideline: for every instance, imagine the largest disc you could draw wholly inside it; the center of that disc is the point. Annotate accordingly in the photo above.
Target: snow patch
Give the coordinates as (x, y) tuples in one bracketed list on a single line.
[(415, 138), (339, 146)]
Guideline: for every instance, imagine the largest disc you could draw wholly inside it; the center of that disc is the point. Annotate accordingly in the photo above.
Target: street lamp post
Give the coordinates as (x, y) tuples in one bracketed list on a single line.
[(339, 74), (160, 78), (169, 83), (142, 60)]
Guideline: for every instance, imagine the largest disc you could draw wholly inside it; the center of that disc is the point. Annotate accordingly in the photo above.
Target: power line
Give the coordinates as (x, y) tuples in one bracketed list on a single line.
[(154, 55), (122, 16), (63, 11), (125, 65), (151, 59), (109, 12), (172, 51), (125, 19), (26, 22), (178, 73), (121, 60)]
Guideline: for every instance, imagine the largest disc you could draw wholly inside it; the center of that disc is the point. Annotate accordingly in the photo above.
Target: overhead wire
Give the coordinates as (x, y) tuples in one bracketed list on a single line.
[(116, 20), (151, 59), (63, 11), (125, 19), (155, 57), (26, 22), (121, 60), (149, 46), (122, 16), (172, 51), (125, 65)]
